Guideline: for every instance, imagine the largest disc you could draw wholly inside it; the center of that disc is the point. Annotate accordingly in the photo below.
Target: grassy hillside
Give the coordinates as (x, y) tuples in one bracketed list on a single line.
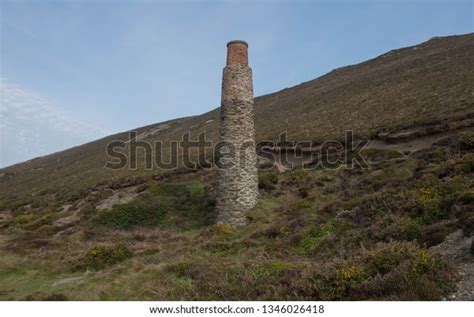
[(315, 234), (425, 83), (71, 229)]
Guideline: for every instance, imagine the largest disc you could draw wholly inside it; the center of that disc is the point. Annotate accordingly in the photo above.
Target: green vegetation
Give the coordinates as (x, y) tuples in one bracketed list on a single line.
[(184, 205), (267, 180), (71, 229), (101, 256), (144, 211), (315, 234)]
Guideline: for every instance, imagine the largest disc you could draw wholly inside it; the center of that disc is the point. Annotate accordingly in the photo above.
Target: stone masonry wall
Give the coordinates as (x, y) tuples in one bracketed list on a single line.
[(237, 185)]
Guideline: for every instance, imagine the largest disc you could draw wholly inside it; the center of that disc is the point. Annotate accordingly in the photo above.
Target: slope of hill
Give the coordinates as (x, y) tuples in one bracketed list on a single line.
[(425, 83), (66, 221)]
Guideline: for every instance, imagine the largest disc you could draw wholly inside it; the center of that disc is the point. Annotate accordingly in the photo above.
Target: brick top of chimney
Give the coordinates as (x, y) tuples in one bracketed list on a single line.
[(237, 53)]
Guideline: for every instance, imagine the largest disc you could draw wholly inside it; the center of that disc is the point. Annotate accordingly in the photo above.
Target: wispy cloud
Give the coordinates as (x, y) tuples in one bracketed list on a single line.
[(32, 126)]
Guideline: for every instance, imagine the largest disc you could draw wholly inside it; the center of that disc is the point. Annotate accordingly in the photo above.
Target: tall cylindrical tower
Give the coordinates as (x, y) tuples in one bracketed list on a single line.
[(238, 176)]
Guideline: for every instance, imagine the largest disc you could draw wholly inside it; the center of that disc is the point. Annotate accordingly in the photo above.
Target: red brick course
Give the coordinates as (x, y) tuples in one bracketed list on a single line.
[(237, 53)]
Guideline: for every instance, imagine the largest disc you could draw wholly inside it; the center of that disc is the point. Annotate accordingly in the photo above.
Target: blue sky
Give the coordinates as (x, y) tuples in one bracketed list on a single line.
[(75, 71)]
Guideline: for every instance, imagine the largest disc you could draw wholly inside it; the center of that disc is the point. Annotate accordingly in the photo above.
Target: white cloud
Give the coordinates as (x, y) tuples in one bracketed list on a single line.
[(31, 126)]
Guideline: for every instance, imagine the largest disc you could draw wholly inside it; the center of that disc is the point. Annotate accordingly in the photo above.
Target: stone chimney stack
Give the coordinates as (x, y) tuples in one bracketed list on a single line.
[(238, 176)]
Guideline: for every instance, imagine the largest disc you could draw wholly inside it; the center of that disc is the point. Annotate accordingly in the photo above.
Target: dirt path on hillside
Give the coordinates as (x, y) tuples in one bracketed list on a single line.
[(415, 144), (456, 249)]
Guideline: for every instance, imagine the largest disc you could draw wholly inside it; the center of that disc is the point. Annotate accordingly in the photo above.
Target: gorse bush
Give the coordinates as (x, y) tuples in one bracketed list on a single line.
[(429, 200), (267, 180), (398, 271), (100, 257), (313, 235), (277, 268), (387, 269), (380, 155), (170, 204), (466, 142), (146, 211)]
